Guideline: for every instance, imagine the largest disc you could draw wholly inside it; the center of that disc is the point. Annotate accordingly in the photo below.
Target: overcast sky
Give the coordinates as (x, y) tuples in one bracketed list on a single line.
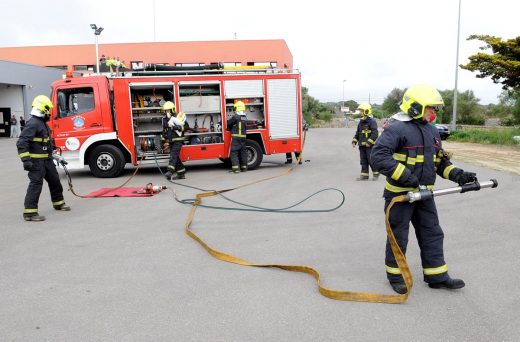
[(375, 45)]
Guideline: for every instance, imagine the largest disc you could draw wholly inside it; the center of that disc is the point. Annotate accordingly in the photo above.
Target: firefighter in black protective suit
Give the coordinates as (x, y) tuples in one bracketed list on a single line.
[(174, 125), (35, 149), (365, 137), (237, 125), (409, 152)]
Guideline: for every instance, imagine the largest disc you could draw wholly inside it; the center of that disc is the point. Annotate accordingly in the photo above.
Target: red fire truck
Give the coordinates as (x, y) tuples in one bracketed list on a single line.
[(105, 122)]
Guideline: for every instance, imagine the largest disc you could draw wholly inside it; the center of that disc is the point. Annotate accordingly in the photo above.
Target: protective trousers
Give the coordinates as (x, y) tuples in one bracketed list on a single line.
[(175, 164), (42, 169), (238, 154), (364, 160), (423, 215), (288, 156)]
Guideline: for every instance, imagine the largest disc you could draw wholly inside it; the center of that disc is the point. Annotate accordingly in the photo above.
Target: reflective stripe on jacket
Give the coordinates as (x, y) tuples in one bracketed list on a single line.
[(237, 125), (366, 132), (411, 147), (169, 134), (35, 141)]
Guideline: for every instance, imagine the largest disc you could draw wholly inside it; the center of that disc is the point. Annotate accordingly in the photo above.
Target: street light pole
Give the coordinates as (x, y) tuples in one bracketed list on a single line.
[(455, 95), (343, 98), (97, 32), (97, 54)]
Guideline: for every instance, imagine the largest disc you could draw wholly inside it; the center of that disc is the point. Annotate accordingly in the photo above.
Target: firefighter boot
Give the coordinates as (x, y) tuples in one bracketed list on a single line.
[(375, 176), (168, 175), (450, 283), (33, 217), (362, 178), (179, 176), (399, 287), (62, 207), (243, 168), (288, 161)]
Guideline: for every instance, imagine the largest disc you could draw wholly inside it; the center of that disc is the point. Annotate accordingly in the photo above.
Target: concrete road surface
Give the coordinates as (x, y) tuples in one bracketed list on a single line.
[(122, 269)]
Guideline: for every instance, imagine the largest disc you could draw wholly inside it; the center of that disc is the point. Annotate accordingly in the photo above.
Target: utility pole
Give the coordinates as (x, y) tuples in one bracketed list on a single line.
[(154, 20), (97, 32), (343, 98), (455, 92)]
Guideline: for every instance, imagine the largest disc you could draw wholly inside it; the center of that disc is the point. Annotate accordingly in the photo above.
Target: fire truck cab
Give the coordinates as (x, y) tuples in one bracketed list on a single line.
[(106, 122)]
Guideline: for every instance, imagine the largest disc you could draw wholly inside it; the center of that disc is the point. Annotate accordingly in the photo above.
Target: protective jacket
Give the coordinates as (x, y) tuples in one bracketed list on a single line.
[(173, 129), (238, 154), (237, 125), (34, 141), (366, 132), (411, 147)]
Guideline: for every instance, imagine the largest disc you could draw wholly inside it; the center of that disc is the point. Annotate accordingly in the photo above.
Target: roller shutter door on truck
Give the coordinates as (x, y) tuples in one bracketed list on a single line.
[(283, 108)]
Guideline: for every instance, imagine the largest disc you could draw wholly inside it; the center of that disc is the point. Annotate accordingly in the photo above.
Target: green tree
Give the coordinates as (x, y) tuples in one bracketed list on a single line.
[(468, 109), (309, 106), (313, 109), (503, 66), (510, 105), (392, 101), (351, 104)]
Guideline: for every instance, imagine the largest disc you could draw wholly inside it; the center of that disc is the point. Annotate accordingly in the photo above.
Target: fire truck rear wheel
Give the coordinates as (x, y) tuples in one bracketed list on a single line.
[(254, 154), (106, 161)]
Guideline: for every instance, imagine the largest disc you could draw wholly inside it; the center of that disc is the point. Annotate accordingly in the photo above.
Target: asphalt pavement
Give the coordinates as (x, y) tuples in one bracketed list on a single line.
[(123, 269)]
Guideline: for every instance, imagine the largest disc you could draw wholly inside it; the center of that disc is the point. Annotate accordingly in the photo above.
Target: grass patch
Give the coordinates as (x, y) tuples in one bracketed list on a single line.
[(491, 136)]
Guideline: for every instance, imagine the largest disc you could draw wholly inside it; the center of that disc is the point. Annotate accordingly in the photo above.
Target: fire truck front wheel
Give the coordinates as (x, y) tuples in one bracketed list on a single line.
[(254, 154), (106, 161)]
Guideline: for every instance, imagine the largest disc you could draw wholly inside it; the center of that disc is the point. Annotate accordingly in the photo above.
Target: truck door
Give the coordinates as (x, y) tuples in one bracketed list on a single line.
[(76, 116)]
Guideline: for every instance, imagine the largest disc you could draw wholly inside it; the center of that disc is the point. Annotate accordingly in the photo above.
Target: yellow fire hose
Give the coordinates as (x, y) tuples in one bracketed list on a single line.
[(400, 258)]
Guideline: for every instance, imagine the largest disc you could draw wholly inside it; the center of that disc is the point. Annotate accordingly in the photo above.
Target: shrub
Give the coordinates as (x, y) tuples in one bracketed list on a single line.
[(493, 136)]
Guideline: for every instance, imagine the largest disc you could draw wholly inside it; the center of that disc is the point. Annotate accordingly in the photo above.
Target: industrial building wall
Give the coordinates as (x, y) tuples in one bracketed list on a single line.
[(11, 96), (28, 79), (83, 57)]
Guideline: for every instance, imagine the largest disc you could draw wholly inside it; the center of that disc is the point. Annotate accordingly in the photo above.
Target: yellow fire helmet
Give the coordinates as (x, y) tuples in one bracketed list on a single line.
[(240, 106), (43, 103), (366, 109), (418, 97), (168, 105)]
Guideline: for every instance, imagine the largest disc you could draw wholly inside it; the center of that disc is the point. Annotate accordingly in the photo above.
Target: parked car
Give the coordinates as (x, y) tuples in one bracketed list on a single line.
[(444, 131)]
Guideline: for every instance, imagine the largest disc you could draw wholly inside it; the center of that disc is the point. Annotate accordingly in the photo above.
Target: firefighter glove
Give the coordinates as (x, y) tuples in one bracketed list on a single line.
[(466, 177), (27, 165), (411, 182)]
